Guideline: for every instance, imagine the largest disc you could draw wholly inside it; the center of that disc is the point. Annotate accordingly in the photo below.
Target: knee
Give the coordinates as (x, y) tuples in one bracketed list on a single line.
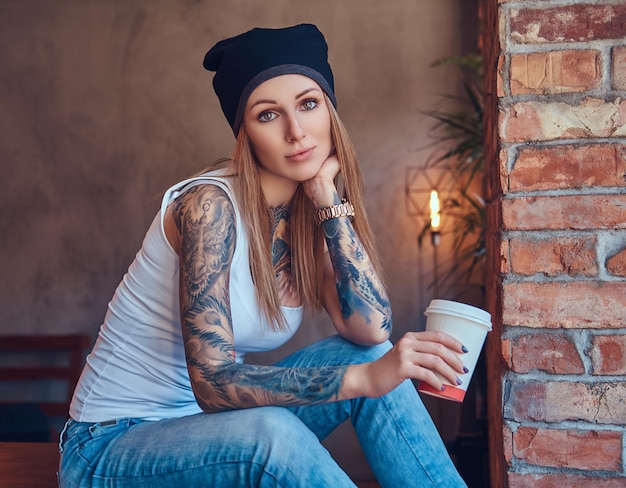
[(279, 434), (279, 426), (290, 454)]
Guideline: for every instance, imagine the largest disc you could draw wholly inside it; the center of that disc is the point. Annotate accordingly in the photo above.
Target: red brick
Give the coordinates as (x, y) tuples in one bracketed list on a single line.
[(545, 120), (590, 155), (573, 23), (504, 257), (507, 437), (565, 212), (616, 264), (504, 170), (576, 305), (552, 353), (577, 449), (517, 480), (569, 166), (554, 256), (608, 355), (559, 401), (554, 72), (500, 77), (619, 68), (506, 352)]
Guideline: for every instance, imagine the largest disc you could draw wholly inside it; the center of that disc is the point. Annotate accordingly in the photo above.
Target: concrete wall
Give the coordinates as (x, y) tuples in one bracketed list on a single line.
[(103, 104)]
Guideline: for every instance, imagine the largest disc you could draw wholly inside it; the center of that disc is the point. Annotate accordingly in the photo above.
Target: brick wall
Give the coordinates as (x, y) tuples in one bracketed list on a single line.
[(561, 130)]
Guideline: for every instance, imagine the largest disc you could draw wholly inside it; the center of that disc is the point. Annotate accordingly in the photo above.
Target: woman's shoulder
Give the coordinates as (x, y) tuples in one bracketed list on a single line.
[(199, 207), (221, 178), (212, 188), (203, 197)]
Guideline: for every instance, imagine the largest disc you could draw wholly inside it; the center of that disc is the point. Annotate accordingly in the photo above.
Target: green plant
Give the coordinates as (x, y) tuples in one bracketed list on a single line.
[(458, 149)]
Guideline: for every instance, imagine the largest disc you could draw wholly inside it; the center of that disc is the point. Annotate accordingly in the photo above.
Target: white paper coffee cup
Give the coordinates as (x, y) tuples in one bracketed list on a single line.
[(465, 323)]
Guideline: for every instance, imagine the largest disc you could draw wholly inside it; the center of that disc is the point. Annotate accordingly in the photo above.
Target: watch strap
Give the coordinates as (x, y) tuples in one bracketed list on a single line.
[(344, 209)]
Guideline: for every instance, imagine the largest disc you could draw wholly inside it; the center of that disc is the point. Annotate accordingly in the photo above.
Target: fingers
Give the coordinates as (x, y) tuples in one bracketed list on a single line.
[(432, 354), (320, 189), (333, 163), (439, 337), (426, 356), (329, 168)]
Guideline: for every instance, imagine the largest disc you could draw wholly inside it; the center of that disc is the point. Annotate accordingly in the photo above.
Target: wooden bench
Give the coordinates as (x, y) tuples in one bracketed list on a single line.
[(37, 360), (72, 347), (29, 464), (33, 363), (35, 464)]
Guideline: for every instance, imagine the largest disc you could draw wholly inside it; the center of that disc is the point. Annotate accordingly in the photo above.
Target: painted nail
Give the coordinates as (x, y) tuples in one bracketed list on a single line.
[(465, 370), (442, 388), (459, 382), (464, 349)]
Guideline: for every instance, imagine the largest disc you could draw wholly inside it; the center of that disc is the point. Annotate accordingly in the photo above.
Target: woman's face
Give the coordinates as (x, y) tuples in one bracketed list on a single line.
[(288, 123)]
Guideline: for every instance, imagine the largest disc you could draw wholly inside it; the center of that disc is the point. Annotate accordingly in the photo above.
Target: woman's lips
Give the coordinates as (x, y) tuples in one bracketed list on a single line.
[(301, 155)]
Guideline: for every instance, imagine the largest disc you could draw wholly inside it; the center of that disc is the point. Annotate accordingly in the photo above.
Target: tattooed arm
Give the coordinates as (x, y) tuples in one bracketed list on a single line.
[(354, 295), (201, 226)]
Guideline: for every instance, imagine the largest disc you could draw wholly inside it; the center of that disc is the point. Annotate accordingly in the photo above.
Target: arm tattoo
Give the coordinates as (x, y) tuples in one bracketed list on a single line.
[(280, 245), (208, 242), (281, 249), (358, 287), (245, 385), (205, 219)]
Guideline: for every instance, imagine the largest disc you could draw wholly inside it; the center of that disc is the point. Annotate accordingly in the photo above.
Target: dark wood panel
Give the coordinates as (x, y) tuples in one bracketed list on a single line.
[(28, 464)]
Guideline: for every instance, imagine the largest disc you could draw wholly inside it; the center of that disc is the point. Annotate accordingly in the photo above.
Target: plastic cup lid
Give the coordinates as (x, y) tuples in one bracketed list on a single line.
[(460, 310)]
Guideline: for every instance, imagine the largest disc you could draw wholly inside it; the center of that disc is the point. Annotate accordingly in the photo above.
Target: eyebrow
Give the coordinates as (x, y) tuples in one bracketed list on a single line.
[(267, 100)]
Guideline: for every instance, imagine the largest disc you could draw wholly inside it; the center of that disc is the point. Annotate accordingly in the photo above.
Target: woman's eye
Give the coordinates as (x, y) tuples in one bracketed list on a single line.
[(309, 104), (266, 116)]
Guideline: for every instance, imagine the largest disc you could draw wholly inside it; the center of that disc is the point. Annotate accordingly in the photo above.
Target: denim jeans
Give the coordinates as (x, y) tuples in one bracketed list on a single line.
[(265, 446)]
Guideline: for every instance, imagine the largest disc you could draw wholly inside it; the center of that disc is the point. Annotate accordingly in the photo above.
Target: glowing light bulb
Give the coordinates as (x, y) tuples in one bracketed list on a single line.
[(435, 211)]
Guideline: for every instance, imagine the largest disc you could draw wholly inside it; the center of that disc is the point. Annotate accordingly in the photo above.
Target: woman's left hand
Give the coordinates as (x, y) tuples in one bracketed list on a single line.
[(426, 356), (321, 188)]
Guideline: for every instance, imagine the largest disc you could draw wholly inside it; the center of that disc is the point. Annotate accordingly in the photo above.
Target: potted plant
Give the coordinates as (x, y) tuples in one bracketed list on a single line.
[(457, 135)]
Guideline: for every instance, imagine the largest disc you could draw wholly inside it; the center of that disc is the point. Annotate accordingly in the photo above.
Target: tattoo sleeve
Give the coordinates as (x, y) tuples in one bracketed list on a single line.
[(205, 219), (359, 288)]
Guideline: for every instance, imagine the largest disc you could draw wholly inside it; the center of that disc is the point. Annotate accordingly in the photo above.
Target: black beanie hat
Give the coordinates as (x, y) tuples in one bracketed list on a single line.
[(243, 62)]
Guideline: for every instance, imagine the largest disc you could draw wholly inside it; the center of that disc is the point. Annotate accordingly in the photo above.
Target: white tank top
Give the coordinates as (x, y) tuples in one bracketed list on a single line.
[(137, 367)]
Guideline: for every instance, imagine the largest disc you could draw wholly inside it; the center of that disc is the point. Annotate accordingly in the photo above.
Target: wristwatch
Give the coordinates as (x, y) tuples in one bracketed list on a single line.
[(344, 209)]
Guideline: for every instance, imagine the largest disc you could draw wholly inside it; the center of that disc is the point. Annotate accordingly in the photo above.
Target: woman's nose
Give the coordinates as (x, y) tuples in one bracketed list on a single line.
[(294, 129)]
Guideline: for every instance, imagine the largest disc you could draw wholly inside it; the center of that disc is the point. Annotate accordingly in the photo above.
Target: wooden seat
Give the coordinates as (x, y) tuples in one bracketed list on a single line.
[(29, 464), (39, 360)]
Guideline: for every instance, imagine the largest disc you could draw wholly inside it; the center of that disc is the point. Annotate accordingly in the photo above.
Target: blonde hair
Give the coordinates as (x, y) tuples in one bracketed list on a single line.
[(307, 239)]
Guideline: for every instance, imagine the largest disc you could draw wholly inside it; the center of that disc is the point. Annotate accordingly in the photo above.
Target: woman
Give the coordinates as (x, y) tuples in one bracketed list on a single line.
[(227, 267)]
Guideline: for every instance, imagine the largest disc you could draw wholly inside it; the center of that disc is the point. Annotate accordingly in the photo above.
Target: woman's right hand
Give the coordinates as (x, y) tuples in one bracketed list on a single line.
[(417, 355), (321, 188)]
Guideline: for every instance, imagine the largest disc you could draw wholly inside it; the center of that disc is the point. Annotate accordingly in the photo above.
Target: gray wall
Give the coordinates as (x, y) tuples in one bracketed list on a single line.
[(103, 104)]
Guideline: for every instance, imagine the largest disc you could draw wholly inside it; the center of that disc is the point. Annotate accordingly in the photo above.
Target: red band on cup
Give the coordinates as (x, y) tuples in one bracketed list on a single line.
[(449, 392)]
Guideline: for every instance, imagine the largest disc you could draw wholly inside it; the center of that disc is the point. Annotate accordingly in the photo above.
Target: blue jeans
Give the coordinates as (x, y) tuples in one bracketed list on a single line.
[(265, 446)]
